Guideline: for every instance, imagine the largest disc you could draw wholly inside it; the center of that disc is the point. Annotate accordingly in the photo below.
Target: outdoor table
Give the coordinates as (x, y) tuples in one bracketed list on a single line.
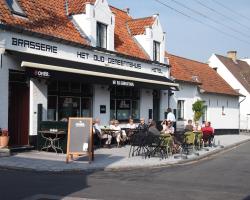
[(108, 131), (52, 139)]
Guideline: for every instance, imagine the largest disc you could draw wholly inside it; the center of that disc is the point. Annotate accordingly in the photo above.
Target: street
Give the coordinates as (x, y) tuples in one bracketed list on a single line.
[(223, 176)]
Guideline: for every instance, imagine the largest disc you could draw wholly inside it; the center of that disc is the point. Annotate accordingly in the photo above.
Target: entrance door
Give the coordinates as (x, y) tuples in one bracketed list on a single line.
[(18, 109), (156, 105)]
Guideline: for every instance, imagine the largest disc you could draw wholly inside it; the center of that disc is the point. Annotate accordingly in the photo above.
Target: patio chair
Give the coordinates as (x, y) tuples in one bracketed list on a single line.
[(137, 143), (198, 140), (189, 142), (167, 145)]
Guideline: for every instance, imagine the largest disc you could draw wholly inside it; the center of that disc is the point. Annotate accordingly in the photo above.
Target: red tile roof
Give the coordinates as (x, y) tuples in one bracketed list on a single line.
[(240, 69), (45, 17), (137, 26), (49, 18), (183, 69), (78, 6), (124, 42)]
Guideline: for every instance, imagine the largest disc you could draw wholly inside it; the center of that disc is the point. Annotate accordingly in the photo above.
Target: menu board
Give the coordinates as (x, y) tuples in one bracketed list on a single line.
[(80, 138)]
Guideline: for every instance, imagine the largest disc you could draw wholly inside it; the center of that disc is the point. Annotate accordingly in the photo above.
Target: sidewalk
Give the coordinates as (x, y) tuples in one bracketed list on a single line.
[(107, 159)]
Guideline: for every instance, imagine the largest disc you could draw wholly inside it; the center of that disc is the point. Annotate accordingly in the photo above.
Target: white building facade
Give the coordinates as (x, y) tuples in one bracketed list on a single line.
[(221, 105), (69, 79), (230, 71)]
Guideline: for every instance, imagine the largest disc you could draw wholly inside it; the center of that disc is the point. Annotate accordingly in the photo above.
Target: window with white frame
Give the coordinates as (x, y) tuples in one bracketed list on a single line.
[(156, 51), (180, 109), (204, 114), (101, 35)]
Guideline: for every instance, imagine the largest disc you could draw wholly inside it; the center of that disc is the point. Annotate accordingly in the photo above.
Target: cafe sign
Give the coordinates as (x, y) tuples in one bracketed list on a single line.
[(123, 83)]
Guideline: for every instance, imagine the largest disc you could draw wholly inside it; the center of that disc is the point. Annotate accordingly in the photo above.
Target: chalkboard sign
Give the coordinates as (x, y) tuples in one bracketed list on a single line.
[(80, 138)]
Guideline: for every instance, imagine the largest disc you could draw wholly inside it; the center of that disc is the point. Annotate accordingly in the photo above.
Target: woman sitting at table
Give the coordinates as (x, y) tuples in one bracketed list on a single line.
[(197, 127), (167, 127), (100, 134), (119, 134), (189, 126), (208, 133), (130, 127)]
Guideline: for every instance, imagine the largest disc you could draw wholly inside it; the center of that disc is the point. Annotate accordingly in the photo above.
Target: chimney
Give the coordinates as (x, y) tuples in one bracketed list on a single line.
[(126, 10), (232, 55)]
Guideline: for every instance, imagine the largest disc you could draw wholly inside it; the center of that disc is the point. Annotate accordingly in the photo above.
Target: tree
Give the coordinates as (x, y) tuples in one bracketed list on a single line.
[(198, 108)]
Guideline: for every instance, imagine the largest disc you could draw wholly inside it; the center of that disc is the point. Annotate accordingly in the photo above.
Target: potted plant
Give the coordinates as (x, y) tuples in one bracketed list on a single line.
[(4, 138), (198, 108)]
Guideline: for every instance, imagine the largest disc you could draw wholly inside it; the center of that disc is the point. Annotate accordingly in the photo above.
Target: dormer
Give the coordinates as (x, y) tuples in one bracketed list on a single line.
[(96, 21), (149, 34)]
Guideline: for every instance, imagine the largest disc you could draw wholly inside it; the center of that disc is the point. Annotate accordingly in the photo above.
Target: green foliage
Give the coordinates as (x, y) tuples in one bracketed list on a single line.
[(198, 108)]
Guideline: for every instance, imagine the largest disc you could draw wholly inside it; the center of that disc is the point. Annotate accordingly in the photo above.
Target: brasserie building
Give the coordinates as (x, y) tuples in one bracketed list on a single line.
[(79, 59)]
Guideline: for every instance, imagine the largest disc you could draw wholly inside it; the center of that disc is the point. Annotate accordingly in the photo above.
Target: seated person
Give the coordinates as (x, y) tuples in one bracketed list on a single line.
[(208, 133), (100, 134), (153, 130), (189, 126), (119, 134), (197, 127), (112, 123), (142, 125), (168, 128), (130, 125)]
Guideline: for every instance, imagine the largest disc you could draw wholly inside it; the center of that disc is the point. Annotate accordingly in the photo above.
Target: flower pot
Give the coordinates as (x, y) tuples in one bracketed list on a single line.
[(4, 140)]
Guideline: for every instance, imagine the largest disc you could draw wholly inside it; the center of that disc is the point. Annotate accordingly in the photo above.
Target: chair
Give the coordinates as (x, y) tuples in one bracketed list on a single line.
[(137, 143), (189, 142), (198, 140), (167, 144)]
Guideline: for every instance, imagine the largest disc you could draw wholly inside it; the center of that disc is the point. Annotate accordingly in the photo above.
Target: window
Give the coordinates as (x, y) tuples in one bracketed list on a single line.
[(69, 99), (156, 51), (180, 109), (204, 115), (124, 103), (101, 35), (15, 7)]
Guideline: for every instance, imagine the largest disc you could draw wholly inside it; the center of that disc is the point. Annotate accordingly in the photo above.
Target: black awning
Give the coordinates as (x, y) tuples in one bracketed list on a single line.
[(60, 68)]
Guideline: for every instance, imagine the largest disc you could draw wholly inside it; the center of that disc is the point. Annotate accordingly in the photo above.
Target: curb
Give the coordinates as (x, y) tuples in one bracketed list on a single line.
[(179, 162)]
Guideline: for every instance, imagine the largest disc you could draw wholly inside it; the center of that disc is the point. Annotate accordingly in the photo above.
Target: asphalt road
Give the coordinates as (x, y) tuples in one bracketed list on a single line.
[(224, 176)]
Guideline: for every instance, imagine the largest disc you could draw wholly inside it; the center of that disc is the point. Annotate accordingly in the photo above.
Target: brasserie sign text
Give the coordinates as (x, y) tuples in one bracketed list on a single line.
[(108, 60)]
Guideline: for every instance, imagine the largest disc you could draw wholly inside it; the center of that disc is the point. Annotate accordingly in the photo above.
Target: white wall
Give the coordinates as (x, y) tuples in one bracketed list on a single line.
[(101, 97), (230, 119), (154, 33), (100, 12), (214, 103), (189, 94), (146, 102), (235, 84), (4, 91), (38, 95)]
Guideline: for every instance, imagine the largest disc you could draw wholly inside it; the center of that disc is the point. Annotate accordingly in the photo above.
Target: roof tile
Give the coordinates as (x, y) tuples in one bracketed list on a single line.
[(187, 70)]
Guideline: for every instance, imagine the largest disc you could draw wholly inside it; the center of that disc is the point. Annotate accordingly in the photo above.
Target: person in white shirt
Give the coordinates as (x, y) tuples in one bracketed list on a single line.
[(131, 124), (171, 117), (101, 135), (119, 133)]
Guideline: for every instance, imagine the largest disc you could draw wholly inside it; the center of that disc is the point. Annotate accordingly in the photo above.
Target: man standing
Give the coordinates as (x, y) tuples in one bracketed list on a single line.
[(171, 117)]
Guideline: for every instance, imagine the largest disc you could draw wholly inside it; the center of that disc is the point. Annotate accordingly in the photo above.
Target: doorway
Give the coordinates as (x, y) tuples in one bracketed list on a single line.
[(156, 105), (18, 109)]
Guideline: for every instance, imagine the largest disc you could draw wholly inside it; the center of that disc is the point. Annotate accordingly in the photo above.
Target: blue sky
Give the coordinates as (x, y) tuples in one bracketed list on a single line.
[(190, 39)]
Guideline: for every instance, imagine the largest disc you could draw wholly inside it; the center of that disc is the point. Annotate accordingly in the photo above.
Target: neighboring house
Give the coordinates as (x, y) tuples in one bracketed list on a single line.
[(78, 58), (237, 74), (198, 81)]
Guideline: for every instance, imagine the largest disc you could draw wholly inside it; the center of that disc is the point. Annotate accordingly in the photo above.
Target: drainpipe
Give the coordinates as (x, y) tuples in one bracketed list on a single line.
[(239, 111)]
